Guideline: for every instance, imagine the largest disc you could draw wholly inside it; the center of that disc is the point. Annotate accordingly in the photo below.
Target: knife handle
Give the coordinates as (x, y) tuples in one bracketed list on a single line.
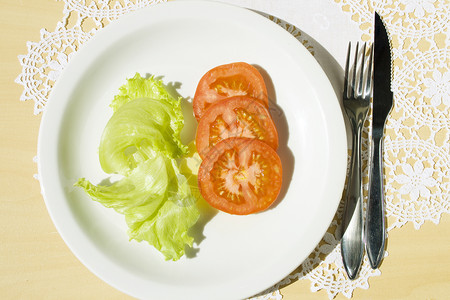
[(375, 231), (352, 246)]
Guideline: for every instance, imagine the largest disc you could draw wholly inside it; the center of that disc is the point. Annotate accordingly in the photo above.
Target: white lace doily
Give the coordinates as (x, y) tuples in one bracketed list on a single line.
[(417, 153)]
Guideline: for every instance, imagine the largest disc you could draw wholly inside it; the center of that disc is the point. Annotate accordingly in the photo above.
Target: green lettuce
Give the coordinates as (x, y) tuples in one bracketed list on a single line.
[(157, 203), (145, 115), (142, 142), (136, 125)]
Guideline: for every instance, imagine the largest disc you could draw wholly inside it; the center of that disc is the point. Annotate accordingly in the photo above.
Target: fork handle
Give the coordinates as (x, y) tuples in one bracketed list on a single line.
[(352, 241), (375, 231)]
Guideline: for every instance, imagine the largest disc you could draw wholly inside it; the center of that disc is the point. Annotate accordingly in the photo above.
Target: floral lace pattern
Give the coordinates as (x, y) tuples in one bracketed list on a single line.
[(416, 145)]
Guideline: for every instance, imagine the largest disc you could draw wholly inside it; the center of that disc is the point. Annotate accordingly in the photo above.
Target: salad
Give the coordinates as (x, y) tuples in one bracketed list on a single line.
[(236, 140)]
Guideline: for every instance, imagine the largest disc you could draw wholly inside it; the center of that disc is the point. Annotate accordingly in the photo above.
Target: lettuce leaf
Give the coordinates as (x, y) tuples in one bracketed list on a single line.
[(142, 142), (157, 203), (139, 87), (145, 116), (137, 125)]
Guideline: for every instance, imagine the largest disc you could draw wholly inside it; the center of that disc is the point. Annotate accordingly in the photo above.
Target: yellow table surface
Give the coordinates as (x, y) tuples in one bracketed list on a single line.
[(35, 262)]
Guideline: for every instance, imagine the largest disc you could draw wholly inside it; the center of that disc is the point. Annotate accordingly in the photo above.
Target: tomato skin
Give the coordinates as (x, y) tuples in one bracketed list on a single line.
[(240, 176), (238, 116), (224, 81)]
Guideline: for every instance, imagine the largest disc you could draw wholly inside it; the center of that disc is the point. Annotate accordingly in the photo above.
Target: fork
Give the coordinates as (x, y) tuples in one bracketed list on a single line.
[(356, 100)]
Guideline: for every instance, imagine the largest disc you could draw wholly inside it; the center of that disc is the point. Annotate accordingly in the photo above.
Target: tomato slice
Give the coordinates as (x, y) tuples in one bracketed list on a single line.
[(238, 116), (235, 79), (240, 176)]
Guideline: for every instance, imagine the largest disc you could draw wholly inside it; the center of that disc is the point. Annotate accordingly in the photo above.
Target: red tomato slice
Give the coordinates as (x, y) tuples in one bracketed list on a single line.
[(240, 176), (238, 116), (235, 79)]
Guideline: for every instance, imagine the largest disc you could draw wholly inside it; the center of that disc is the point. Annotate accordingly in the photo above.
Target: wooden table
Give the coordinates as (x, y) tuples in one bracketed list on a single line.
[(35, 262)]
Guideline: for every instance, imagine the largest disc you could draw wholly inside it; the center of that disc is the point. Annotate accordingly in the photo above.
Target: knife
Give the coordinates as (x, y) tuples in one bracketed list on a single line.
[(375, 231)]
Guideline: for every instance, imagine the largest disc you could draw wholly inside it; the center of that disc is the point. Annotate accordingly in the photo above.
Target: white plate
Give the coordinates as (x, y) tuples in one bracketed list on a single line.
[(236, 256)]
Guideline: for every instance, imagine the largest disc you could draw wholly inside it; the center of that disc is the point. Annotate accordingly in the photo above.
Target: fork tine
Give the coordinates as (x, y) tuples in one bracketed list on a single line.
[(361, 73), (369, 74), (346, 70), (354, 72)]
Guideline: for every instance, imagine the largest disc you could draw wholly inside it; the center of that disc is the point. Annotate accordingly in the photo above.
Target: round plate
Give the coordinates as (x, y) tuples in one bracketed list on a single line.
[(234, 256)]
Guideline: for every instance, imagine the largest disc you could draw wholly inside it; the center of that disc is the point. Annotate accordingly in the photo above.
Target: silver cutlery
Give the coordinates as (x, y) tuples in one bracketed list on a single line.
[(356, 100), (375, 231)]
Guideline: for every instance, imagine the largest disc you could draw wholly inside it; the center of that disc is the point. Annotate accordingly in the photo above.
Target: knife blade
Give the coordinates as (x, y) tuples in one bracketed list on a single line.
[(375, 230)]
